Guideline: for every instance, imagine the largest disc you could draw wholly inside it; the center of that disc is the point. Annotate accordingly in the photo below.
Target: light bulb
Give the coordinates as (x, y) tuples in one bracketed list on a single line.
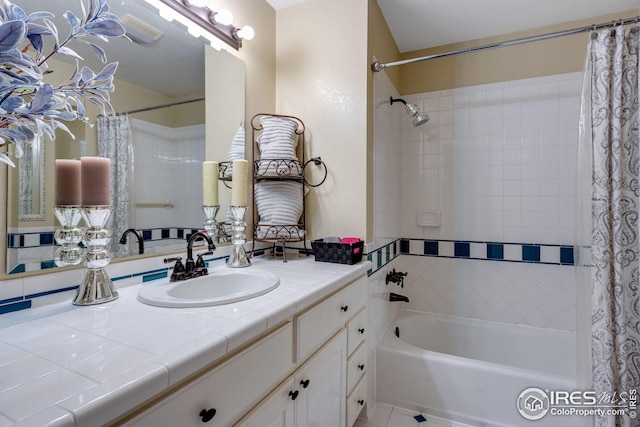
[(224, 17), (246, 32)]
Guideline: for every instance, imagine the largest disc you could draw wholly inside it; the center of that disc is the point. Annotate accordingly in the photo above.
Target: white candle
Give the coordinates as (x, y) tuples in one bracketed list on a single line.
[(210, 183), (239, 183), (96, 181)]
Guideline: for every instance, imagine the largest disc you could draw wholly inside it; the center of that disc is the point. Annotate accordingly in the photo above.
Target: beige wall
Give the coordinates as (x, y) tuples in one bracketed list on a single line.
[(321, 63), (381, 47), (554, 56)]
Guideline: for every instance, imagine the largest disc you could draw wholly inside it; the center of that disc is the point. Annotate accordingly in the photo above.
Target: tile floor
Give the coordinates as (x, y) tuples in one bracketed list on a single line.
[(391, 416)]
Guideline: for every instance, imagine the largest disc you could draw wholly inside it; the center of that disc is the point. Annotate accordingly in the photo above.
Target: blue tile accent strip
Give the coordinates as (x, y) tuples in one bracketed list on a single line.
[(385, 254), (404, 246), (9, 308), (52, 292), (566, 255), (155, 276), (493, 251), (431, 247), (461, 249), (531, 253)]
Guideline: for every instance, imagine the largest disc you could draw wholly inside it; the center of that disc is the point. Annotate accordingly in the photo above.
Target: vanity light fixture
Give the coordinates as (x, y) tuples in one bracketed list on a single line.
[(202, 21)]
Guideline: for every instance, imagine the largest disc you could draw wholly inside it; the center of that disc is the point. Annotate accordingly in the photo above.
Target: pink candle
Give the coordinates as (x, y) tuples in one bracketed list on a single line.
[(67, 182), (96, 183)]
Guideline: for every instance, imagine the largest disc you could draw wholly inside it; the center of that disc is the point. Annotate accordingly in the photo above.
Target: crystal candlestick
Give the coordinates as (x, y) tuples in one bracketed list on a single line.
[(211, 225), (96, 287), (68, 236), (238, 257)]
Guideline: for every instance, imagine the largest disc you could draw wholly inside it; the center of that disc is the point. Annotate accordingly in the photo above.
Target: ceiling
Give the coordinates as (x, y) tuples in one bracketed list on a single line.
[(419, 24), (173, 65)]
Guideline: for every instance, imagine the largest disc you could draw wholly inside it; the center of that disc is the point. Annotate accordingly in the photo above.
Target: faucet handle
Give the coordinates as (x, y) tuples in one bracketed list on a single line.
[(200, 262), (178, 269)]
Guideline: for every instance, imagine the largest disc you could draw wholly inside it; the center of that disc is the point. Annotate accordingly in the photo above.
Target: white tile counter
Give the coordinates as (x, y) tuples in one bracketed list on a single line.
[(63, 365)]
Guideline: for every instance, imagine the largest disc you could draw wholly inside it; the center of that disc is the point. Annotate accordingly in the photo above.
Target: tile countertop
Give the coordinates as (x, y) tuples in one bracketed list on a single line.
[(63, 365)]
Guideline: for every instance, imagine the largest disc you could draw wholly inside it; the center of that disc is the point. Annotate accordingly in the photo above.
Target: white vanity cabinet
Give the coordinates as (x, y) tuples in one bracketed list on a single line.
[(300, 375), (322, 390), (312, 396)]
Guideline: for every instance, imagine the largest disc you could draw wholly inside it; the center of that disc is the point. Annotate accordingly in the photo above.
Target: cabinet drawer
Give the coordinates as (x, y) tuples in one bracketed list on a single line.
[(356, 401), (356, 331), (231, 388), (356, 367), (319, 323)]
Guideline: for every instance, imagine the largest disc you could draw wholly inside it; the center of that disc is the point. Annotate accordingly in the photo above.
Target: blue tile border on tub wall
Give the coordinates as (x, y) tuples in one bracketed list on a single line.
[(536, 253)]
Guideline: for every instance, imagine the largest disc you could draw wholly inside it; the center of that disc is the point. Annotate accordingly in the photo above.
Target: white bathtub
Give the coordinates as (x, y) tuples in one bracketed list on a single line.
[(472, 371)]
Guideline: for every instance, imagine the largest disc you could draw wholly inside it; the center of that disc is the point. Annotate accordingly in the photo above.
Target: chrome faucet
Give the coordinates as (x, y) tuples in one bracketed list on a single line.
[(123, 239), (191, 268)]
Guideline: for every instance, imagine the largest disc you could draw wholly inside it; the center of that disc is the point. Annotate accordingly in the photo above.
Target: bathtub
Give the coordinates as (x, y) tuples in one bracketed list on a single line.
[(472, 371)]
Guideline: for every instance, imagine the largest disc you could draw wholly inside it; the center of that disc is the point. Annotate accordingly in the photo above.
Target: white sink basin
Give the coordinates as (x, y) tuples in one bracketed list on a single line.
[(223, 285)]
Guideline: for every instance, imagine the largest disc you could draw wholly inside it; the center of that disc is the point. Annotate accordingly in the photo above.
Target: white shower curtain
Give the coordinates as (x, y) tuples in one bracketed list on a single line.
[(114, 142), (611, 132)]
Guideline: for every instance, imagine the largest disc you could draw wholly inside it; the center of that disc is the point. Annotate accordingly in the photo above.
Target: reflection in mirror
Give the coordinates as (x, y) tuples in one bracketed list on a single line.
[(168, 144), (31, 182)]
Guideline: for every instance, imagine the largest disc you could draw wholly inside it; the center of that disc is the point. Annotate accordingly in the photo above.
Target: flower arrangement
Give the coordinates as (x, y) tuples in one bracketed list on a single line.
[(28, 105)]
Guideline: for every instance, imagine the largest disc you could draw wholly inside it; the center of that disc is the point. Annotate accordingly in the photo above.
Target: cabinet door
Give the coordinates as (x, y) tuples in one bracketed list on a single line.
[(276, 410), (322, 321), (220, 397), (321, 383)]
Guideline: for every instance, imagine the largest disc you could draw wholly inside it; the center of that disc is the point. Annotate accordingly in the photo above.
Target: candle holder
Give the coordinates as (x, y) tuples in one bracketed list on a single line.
[(211, 225), (96, 287), (238, 257), (68, 236)]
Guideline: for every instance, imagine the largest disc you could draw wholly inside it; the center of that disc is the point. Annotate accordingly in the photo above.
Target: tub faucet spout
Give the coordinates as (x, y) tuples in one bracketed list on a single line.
[(397, 297)]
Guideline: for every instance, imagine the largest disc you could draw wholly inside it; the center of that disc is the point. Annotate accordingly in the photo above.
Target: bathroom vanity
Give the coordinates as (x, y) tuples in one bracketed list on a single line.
[(288, 358)]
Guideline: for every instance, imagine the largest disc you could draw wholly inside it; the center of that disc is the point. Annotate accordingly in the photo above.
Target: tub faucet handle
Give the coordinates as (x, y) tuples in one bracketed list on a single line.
[(396, 277)]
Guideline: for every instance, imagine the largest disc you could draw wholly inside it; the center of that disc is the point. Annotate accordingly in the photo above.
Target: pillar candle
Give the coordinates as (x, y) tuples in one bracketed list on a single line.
[(239, 183), (67, 182), (210, 183), (96, 181)]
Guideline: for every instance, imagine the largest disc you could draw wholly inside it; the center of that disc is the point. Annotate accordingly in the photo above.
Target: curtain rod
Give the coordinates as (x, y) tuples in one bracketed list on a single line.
[(157, 107), (378, 66)]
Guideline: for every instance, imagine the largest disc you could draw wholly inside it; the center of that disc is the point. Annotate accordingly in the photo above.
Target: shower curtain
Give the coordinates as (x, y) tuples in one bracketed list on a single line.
[(114, 142), (611, 125)]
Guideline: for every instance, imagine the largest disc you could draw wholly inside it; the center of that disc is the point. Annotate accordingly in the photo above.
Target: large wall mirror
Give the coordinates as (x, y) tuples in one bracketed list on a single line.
[(185, 104)]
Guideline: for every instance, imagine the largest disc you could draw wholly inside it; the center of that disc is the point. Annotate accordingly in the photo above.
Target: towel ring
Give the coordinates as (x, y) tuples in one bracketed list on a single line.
[(316, 161)]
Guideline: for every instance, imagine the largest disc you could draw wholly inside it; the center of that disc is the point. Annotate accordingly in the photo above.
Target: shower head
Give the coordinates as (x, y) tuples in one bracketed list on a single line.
[(417, 118)]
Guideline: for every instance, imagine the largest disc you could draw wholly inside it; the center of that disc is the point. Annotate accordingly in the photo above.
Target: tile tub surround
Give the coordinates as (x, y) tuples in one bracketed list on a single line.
[(95, 362), (497, 160)]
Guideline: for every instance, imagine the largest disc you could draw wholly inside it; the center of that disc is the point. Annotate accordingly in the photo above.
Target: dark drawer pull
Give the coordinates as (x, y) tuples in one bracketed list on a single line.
[(293, 394), (361, 402), (207, 414), (304, 383), (344, 308), (361, 367), (361, 330)]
